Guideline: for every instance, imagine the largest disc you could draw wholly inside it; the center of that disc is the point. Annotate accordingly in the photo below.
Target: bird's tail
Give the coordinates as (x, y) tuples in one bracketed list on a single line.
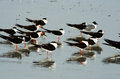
[(4, 37), (84, 32), (20, 31), (29, 20), (70, 44), (18, 25), (109, 41), (1, 29), (70, 25), (36, 45), (46, 30), (105, 44)]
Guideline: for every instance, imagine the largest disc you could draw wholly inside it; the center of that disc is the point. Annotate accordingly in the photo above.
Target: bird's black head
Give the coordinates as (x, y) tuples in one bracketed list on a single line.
[(14, 28), (44, 18), (84, 23), (94, 22), (53, 42), (61, 29), (100, 31)]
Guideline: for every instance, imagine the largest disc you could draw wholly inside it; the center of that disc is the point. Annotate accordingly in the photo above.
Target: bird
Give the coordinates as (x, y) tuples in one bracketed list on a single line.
[(91, 27), (58, 33), (26, 38), (96, 35), (81, 26), (11, 31), (82, 45), (91, 41), (31, 28), (49, 47), (13, 39), (41, 22), (33, 35), (112, 43)]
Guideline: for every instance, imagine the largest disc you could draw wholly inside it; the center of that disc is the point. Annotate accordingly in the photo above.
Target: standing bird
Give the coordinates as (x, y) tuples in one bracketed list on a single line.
[(81, 26), (91, 41), (49, 47), (58, 33), (41, 22), (11, 31), (82, 45), (33, 35), (96, 35), (13, 39), (31, 28), (115, 44), (90, 27), (26, 38)]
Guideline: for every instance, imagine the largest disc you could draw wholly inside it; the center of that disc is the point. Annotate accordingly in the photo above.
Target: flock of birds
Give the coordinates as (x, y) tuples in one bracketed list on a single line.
[(37, 30)]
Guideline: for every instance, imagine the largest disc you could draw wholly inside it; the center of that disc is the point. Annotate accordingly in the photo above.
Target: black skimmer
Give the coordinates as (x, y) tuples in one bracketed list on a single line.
[(49, 47), (115, 44), (33, 35), (41, 22), (81, 26), (90, 27), (31, 28), (11, 31), (91, 41), (82, 45), (96, 35), (58, 33), (26, 38), (13, 39)]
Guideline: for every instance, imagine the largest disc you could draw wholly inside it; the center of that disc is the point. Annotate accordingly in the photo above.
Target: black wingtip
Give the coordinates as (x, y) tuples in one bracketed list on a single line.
[(69, 24), (105, 43)]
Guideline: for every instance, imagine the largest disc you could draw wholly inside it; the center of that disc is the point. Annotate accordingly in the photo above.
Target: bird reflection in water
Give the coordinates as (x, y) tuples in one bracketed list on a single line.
[(96, 48), (25, 51), (47, 63), (87, 54), (5, 42), (77, 39), (112, 59), (12, 54), (60, 45), (78, 59)]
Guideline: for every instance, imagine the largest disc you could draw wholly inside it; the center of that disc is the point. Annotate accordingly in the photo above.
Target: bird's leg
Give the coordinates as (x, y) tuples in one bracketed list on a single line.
[(81, 53), (58, 38), (47, 54), (90, 48), (40, 49), (97, 43), (24, 45), (39, 43), (16, 47), (34, 41), (80, 33), (50, 55)]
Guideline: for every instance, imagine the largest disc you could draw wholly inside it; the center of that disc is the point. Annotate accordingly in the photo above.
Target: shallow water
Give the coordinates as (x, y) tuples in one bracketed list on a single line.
[(60, 12)]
